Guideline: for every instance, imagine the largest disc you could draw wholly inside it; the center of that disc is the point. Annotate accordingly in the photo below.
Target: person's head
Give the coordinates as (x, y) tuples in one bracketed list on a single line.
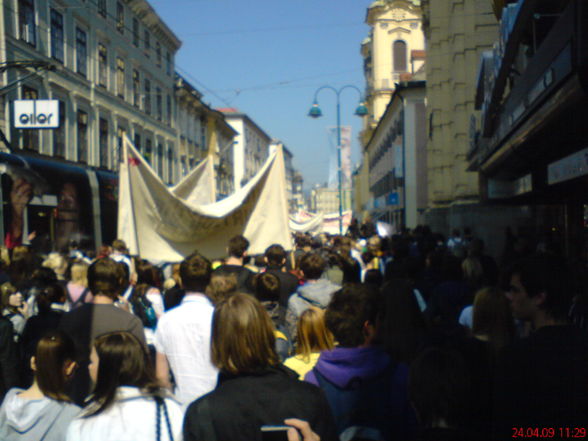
[(147, 274), (312, 265), (439, 388), (119, 246), (195, 271), (275, 255), (118, 359), (243, 337), (79, 273), (492, 317), (312, 334), (401, 324), (57, 262), (374, 244), (472, 269), (351, 316), (11, 298), (238, 246), (221, 286), (267, 287), (52, 293), (105, 277), (539, 286), (53, 364)]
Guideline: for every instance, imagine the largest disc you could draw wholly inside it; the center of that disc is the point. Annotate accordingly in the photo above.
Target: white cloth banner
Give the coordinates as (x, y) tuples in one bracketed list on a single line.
[(160, 226), (198, 187)]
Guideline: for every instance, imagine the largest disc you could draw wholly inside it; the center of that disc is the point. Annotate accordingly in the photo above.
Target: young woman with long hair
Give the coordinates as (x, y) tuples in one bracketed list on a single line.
[(43, 411), (313, 337), (253, 389), (126, 396)]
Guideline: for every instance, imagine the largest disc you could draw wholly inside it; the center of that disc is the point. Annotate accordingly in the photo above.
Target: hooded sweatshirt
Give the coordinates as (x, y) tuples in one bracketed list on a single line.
[(34, 420), (342, 366), (316, 293)]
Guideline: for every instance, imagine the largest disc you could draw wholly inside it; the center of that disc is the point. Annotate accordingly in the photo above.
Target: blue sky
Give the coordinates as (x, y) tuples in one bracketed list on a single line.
[(267, 58)]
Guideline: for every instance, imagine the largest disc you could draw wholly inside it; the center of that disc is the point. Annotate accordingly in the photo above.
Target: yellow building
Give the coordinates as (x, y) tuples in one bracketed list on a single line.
[(457, 33)]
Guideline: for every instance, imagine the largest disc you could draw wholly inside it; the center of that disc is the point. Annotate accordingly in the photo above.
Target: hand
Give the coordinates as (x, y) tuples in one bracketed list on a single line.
[(304, 429)]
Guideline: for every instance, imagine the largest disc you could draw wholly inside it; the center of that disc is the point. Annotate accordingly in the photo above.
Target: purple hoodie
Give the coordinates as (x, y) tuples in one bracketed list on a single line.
[(342, 365)]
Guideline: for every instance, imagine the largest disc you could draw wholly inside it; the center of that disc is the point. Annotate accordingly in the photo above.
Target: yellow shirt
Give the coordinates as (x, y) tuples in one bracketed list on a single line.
[(301, 367)]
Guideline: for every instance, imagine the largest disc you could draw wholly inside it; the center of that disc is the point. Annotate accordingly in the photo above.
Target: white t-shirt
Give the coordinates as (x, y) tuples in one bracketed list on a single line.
[(130, 418), (184, 335)]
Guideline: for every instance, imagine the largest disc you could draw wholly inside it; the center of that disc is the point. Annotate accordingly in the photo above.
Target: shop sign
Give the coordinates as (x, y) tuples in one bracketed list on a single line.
[(36, 114), (570, 167)]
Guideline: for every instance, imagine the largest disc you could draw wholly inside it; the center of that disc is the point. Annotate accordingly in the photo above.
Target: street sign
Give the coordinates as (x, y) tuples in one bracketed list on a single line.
[(36, 114)]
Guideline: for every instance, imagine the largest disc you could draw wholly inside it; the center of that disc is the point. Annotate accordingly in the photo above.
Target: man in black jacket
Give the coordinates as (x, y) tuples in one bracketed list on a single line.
[(275, 257), (8, 358)]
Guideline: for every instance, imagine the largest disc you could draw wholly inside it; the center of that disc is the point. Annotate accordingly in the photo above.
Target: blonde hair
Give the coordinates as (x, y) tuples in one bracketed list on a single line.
[(79, 273), (312, 333), (472, 269), (243, 337), (56, 262)]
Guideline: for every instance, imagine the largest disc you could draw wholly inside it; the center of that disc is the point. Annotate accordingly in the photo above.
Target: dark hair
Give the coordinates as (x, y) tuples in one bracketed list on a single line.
[(439, 387), (401, 325), (105, 277), (546, 275), (52, 293), (243, 337), (267, 287), (53, 351), (124, 361), (195, 271), (347, 312), (492, 317), (275, 255), (312, 265), (238, 245)]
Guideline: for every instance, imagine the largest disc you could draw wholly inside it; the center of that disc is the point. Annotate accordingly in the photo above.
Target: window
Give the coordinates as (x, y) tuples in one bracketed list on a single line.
[(138, 142), (158, 54), (30, 137), (102, 8), (168, 63), (170, 165), (148, 153), (102, 65), (59, 133), (136, 87), (399, 55), (136, 32), (120, 17), (147, 38), (147, 100), (56, 35), (26, 21), (120, 77), (81, 52), (169, 109), (103, 142), (159, 104), (82, 136), (120, 134), (160, 160)]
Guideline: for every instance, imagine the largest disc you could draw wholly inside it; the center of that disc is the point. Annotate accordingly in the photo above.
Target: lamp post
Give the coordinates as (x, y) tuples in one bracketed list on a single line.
[(315, 112)]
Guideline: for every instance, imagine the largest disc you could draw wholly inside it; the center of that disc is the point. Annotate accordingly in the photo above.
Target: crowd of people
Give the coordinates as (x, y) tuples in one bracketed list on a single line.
[(346, 337)]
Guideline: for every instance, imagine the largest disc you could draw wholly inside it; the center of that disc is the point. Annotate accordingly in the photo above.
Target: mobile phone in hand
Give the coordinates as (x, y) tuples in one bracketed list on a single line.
[(274, 433)]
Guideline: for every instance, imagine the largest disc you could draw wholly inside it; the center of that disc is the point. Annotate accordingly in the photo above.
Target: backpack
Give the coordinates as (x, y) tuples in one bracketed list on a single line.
[(362, 410), (143, 309)]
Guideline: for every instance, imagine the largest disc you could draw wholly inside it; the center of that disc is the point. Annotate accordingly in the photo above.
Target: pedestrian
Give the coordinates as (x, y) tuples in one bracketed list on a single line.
[(43, 411), (254, 388), (125, 396)]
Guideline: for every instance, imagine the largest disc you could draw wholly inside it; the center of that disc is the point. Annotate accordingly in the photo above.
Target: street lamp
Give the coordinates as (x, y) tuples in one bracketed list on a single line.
[(315, 112)]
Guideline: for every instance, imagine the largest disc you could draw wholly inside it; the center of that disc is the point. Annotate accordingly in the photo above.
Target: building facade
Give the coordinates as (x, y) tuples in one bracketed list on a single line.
[(251, 146), (112, 72), (529, 141), (326, 200), (397, 159), (203, 131)]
